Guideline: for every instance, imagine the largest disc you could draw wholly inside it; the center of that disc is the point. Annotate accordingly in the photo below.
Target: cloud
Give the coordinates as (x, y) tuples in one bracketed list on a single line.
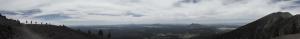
[(103, 14), (134, 14), (8, 13), (30, 12), (53, 17), (146, 11)]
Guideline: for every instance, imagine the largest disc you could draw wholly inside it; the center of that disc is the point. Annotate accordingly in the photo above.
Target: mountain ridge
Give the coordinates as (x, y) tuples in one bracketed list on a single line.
[(267, 27), (13, 29)]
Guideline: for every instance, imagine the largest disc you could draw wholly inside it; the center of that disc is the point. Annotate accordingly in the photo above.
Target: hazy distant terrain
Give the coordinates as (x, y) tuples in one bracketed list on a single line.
[(159, 31)]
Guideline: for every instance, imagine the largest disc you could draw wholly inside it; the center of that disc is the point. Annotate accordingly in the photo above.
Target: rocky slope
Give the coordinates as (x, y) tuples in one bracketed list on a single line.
[(270, 26)]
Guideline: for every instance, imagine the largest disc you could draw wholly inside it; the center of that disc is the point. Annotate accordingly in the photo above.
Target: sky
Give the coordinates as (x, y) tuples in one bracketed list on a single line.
[(111, 12)]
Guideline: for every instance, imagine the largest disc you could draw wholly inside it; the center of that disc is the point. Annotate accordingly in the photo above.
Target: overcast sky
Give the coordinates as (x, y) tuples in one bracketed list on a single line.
[(107, 12)]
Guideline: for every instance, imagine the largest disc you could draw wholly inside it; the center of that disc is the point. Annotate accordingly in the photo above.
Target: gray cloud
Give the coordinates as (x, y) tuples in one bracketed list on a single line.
[(53, 17), (145, 11), (30, 12), (103, 14), (190, 1), (8, 13), (134, 14)]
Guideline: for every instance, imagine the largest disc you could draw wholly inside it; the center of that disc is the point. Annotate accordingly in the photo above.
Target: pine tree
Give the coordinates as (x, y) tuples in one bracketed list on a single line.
[(100, 33), (30, 22), (78, 29), (89, 32), (109, 35), (26, 22)]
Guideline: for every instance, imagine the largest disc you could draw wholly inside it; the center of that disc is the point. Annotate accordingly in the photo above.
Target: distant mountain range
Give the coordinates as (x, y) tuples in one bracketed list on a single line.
[(272, 26)]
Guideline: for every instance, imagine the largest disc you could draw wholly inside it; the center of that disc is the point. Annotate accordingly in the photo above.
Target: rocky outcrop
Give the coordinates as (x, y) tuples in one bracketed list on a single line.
[(9, 22), (270, 26)]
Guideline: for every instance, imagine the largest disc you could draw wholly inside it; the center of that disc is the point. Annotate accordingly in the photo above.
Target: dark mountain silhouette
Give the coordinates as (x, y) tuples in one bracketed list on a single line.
[(6, 29), (13, 29), (268, 27)]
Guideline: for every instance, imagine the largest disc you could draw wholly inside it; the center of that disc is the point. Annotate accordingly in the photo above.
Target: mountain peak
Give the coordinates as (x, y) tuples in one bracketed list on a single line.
[(280, 14), (284, 13), (272, 25)]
